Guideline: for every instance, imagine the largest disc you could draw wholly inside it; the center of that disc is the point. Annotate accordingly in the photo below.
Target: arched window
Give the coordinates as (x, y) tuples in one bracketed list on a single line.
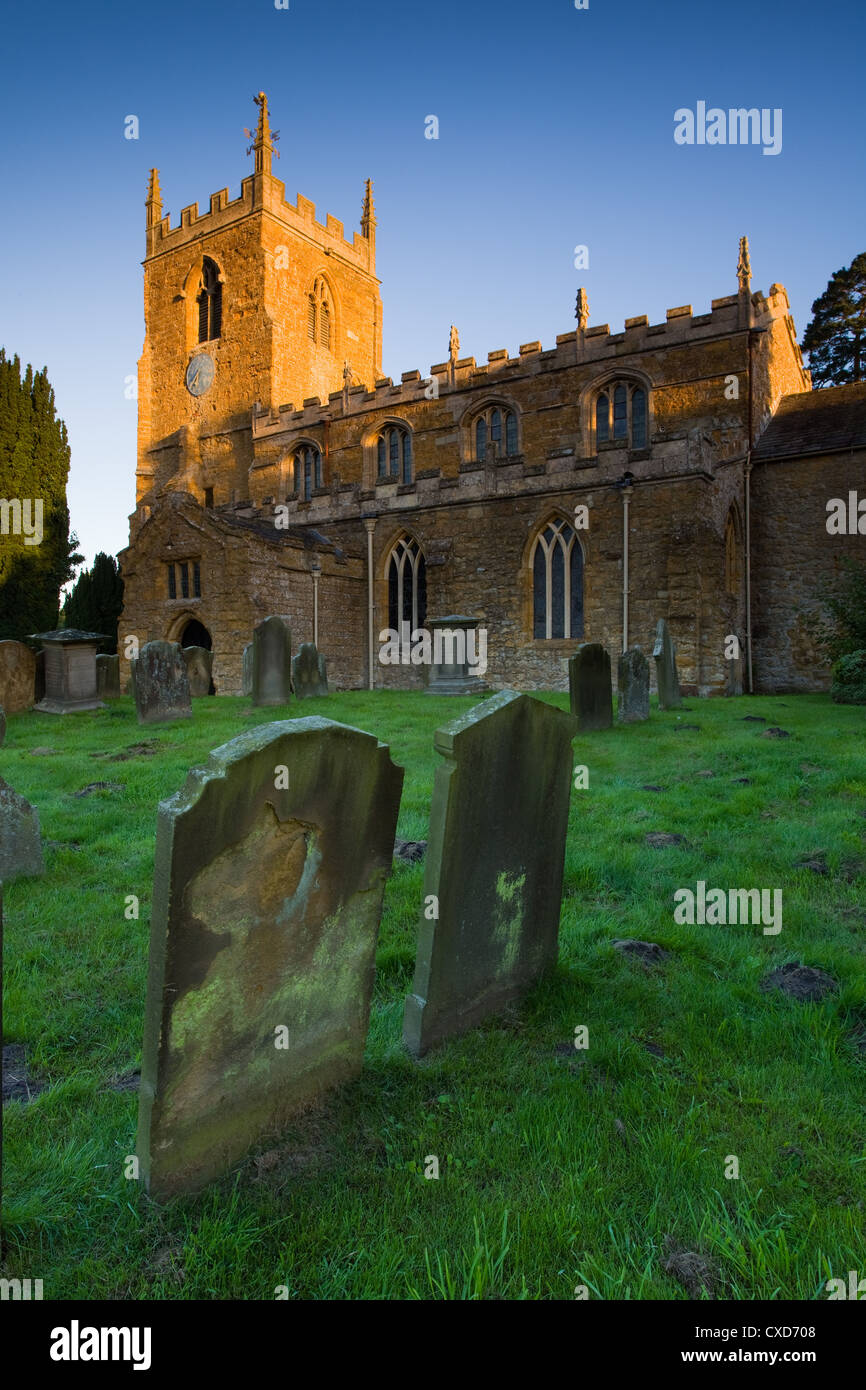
[(732, 559), (621, 414), (557, 583), (394, 454), (319, 314), (496, 425), (307, 470), (210, 302), (407, 586)]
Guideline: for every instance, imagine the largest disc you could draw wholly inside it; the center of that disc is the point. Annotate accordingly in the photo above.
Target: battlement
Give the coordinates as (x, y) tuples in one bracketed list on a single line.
[(596, 345)]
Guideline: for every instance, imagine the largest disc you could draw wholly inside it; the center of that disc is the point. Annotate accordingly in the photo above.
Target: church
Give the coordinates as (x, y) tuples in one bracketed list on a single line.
[(564, 493)]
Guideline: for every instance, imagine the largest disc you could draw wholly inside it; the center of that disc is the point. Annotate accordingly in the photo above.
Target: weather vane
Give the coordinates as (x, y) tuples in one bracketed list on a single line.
[(251, 134)]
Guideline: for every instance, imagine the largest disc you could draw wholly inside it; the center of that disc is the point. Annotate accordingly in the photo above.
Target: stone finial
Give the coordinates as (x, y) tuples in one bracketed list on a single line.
[(368, 210), (263, 141), (153, 201), (581, 309), (744, 265), (453, 345)]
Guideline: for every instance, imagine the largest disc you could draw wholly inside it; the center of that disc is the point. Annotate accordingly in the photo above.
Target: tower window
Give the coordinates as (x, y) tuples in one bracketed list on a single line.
[(557, 583), (208, 496), (210, 302), (495, 425), (319, 314), (621, 415), (307, 470)]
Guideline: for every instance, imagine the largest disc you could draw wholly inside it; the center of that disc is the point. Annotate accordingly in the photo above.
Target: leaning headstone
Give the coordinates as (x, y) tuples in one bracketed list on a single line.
[(20, 841), (108, 677), (589, 686), (632, 679), (667, 681), (270, 870), (309, 672), (272, 661), (17, 677), (247, 670), (199, 663), (493, 881), (160, 684)]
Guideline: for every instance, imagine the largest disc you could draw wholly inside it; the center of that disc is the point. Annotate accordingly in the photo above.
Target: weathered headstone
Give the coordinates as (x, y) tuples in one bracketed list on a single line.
[(272, 661), (489, 924), (108, 677), (20, 841), (199, 663), (2, 725), (309, 672), (589, 686), (70, 670), (17, 677), (270, 870), (160, 684), (632, 678), (667, 681), (247, 670)]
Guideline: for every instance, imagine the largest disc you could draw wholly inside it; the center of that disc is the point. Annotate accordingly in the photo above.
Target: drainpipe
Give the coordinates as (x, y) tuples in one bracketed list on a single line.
[(626, 497), (369, 526), (748, 511)]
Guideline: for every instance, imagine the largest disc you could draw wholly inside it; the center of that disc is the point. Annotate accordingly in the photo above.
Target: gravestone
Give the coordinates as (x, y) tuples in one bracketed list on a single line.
[(70, 670), (2, 725), (309, 672), (20, 841), (108, 677), (266, 907), (494, 864), (17, 677), (667, 681), (456, 655), (247, 670), (159, 683), (589, 686), (632, 678), (272, 661), (199, 663)]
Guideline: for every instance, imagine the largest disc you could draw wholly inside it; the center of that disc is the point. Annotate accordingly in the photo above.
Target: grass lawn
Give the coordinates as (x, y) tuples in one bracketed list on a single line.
[(604, 1166)]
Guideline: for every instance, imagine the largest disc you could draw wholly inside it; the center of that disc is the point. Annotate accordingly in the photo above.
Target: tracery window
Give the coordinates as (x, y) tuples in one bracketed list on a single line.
[(621, 414), (307, 466), (319, 313), (394, 454), (496, 425), (407, 585), (557, 582)]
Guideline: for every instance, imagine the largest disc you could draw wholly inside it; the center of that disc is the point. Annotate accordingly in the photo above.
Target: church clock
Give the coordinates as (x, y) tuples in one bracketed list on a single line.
[(200, 374)]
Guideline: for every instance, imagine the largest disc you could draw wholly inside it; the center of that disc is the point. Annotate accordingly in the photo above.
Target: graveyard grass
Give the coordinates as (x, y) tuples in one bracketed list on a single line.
[(559, 1167)]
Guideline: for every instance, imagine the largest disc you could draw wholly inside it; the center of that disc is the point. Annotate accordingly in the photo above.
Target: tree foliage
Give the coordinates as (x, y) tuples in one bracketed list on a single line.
[(34, 467), (836, 337), (841, 627), (96, 600)]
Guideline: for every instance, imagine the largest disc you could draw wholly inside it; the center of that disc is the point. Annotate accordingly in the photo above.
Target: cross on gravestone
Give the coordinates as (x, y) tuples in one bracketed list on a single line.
[(590, 690), (269, 875), (494, 864), (667, 680)]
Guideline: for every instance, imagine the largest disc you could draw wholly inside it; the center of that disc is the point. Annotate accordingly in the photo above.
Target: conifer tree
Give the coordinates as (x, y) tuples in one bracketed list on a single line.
[(836, 337), (96, 600)]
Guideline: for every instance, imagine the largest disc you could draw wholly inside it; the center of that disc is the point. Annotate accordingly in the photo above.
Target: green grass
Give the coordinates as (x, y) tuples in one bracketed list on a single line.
[(558, 1167)]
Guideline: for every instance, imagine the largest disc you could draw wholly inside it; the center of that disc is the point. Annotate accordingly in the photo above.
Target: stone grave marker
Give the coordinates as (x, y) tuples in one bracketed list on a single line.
[(17, 677), (270, 869), (2, 726), (494, 864), (247, 670), (159, 683), (20, 840), (70, 670), (309, 672), (108, 677), (272, 661), (632, 686), (199, 663), (589, 686), (456, 654), (667, 680)]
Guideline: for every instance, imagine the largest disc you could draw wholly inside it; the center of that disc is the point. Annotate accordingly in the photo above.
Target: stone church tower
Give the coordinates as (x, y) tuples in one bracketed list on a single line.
[(252, 301)]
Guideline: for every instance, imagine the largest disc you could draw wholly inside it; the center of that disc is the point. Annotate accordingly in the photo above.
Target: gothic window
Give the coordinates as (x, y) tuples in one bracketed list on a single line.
[(732, 566), (557, 583), (179, 576), (407, 586), (394, 454), (621, 415), (496, 425), (210, 302), (319, 314), (307, 470)]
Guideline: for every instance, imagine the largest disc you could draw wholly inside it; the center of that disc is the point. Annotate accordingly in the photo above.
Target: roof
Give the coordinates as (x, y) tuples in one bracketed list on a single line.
[(815, 422)]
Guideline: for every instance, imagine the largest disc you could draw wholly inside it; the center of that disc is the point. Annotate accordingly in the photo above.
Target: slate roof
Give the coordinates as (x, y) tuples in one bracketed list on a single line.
[(815, 422)]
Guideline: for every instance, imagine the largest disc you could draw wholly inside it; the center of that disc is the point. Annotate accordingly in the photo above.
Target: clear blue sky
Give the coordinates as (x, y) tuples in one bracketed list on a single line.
[(556, 129)]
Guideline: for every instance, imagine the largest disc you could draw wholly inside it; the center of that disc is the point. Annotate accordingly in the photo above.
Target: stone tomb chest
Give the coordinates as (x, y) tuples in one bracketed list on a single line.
[(70, 670)]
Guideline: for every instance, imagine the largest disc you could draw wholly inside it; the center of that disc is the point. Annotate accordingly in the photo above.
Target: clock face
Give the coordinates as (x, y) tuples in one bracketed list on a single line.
[(199, 374)]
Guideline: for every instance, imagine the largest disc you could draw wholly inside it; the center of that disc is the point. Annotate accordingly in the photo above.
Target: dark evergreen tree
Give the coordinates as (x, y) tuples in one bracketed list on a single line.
[(96, 600), (836, 337), (37, 551)]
